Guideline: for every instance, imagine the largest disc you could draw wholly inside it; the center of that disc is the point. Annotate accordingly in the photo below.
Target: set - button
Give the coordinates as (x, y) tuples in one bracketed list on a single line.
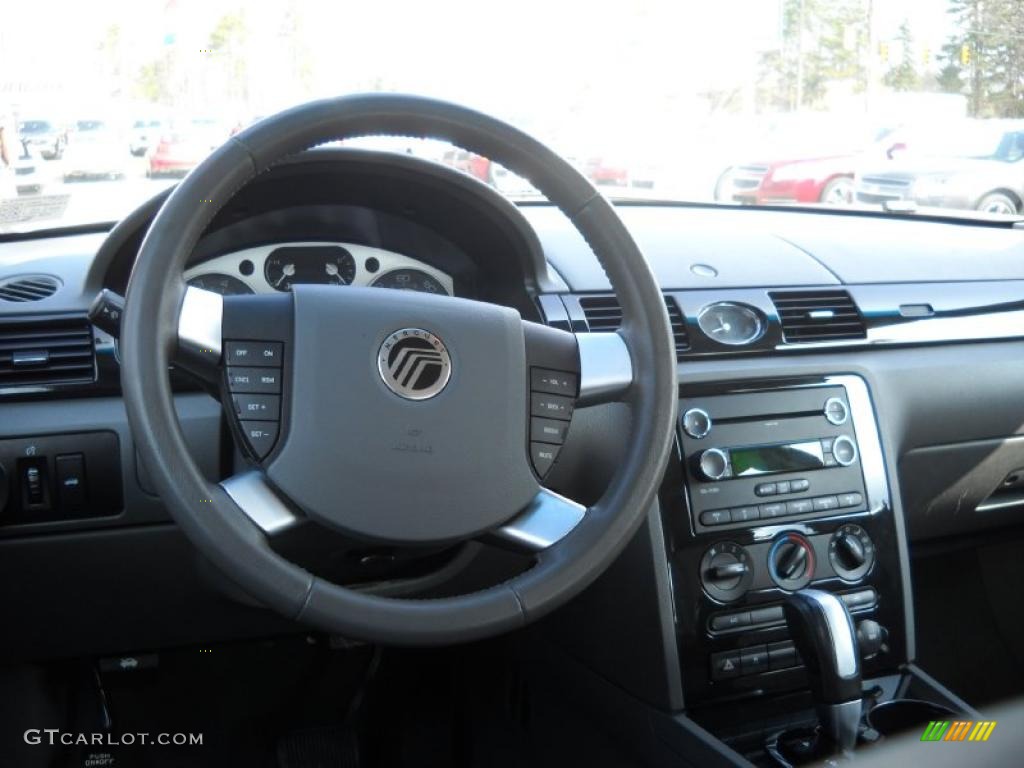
[(254, 380), (552, 399)]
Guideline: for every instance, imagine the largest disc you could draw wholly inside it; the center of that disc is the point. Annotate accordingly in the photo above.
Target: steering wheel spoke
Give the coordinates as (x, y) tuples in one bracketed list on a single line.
[(546, 520), (261, 503)]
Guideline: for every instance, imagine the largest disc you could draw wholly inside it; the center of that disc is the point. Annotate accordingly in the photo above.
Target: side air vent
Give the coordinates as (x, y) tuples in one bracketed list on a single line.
[(809, 316), (604, 314), (50, 351), (28, 287)]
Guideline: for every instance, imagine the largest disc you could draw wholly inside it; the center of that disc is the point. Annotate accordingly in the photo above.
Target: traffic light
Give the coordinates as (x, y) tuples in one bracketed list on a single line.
[(883, 51), (965, 54), (926, 56)]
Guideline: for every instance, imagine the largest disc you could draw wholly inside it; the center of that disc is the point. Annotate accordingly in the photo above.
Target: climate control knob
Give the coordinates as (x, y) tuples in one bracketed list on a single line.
[(791, 562), (726, 571), (851, 552), (713, 464)]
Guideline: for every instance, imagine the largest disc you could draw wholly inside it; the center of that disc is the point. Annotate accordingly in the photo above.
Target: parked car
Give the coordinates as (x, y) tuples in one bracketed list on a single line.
[(143, 135), (812, 162), (984, 173), (184, 146), (95, 149), (45, 136)]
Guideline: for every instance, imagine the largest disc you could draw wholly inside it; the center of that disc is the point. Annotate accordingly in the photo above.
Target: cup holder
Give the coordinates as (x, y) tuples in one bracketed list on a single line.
[(892, 717)]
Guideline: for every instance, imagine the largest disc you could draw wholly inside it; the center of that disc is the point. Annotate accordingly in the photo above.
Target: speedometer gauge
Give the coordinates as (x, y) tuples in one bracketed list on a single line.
[(225, 285), (729, 323), (410, 280), (323, 264)]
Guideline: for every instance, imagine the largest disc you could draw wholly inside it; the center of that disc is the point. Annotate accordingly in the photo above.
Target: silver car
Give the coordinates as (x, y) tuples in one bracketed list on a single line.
[(985, 173)]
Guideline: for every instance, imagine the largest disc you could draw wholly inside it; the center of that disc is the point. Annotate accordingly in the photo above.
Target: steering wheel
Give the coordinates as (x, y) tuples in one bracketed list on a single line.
[(404, 418)]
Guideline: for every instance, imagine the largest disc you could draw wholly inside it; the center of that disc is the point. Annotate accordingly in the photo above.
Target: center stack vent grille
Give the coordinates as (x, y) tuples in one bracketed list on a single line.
[(815, 316), (603, 313)]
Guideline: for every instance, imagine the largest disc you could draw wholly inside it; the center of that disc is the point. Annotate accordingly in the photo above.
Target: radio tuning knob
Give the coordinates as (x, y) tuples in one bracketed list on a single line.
[(844, 450), (713, 464)]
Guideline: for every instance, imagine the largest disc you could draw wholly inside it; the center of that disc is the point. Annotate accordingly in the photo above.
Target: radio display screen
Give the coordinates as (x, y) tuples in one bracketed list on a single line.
[(765, 459)]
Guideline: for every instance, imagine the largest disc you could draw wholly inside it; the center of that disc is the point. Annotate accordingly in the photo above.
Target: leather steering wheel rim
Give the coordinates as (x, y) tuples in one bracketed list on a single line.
[(210, 518)]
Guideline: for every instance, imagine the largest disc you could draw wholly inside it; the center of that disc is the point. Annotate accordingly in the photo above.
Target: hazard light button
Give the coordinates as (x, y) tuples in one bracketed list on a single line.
[(725, 665)]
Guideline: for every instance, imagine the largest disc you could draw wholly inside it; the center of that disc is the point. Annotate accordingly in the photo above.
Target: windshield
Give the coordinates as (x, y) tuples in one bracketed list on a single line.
[(802, 103)]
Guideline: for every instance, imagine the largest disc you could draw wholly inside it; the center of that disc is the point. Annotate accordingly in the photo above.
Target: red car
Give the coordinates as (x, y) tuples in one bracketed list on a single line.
[(820, 180), (184, 147)]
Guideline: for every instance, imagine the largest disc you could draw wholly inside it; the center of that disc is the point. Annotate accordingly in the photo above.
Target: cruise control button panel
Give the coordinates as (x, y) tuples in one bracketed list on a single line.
[(254, 383)]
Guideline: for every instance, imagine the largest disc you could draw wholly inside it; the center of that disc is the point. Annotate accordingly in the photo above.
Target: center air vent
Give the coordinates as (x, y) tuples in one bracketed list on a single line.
[(604, 314), (46, 351), (28, 287), (809, 316)]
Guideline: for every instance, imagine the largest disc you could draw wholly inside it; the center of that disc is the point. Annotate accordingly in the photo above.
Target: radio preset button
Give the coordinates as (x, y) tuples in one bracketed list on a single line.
[(844, 450), (836, 411), (799, 486), (799, 507), (696, 423), (823, 503), (777, 509), (766, 489), (783, 486), (830, 460), (826, 444), (850, 499), (715, 517), (745, 514)]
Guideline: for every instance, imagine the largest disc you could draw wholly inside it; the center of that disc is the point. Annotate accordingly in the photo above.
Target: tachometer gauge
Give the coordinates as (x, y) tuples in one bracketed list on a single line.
[(410, 280), (225, 285), (323, 264), (729, 323)]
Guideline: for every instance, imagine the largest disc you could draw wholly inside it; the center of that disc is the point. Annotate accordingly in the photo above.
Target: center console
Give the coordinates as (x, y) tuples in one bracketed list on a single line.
[(778, 487)]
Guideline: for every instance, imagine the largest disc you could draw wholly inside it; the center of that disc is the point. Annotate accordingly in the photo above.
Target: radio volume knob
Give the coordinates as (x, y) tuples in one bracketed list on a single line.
[(713, 464)]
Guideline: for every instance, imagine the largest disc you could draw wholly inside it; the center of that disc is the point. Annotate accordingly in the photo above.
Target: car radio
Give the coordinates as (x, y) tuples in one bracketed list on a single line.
[(788, 454)]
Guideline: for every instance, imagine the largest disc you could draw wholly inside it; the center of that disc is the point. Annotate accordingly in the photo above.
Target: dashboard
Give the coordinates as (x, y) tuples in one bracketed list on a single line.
[(847, 390)]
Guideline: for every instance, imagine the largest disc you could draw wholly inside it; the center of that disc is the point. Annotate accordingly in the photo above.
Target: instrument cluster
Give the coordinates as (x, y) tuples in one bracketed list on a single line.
[(281, 266)]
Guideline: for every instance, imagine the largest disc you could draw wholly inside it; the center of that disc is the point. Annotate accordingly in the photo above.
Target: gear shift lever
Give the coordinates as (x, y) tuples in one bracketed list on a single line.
[(823, 634)]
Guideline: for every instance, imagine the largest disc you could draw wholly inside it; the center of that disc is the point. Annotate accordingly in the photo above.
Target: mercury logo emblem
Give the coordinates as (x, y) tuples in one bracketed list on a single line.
[(414, 364)]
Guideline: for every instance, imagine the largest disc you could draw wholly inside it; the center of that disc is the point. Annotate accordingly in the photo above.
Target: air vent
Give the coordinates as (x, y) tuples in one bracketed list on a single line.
[(53, 351), (604, 314), (818, 316), (28, 287)]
